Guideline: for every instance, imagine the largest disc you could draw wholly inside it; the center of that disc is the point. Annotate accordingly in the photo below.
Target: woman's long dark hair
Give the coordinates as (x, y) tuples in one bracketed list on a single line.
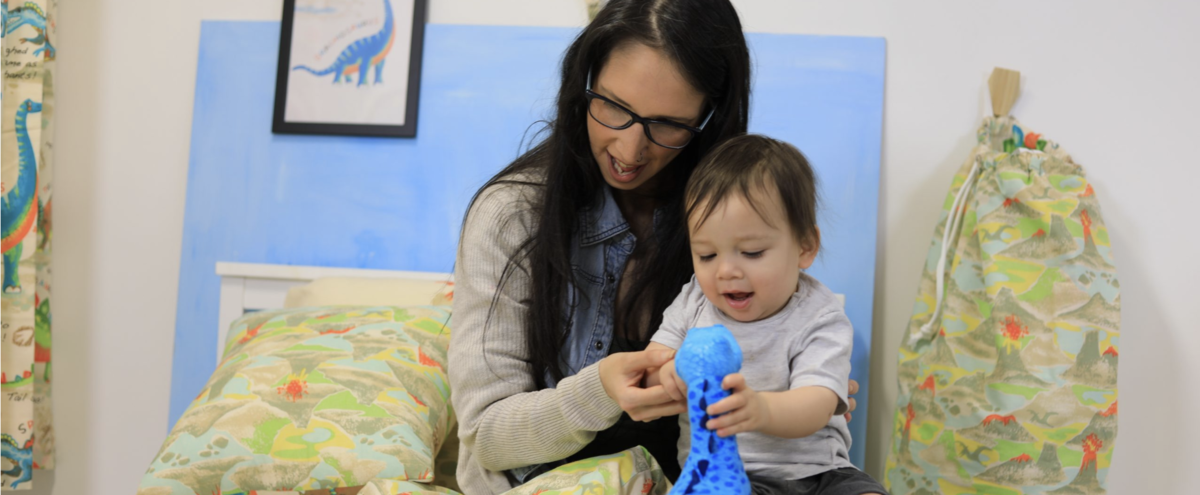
[(704, 38)]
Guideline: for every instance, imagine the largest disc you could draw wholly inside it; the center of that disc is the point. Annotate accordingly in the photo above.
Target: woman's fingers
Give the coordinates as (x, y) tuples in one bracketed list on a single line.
[(851, 404), (651, 413), (635, 363), (622, 371), (633, 398), (621, 374)]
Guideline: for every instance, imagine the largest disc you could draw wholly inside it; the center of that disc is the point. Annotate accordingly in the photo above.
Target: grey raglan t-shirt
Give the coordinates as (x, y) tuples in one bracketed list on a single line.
[(806, 344)]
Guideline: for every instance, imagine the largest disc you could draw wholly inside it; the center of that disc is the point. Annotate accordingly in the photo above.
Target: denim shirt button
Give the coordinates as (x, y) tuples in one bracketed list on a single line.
[(611, 278), (599, 345)]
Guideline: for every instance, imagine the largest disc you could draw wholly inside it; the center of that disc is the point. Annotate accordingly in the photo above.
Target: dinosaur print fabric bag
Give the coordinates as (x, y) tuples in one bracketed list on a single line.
[(1008, 369)]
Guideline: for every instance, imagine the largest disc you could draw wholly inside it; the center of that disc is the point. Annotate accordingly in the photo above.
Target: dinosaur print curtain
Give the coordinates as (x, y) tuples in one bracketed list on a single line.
[(27, 156)]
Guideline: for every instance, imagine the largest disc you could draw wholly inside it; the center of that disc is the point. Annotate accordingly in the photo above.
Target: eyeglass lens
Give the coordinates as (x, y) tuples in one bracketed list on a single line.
[(616, 117)]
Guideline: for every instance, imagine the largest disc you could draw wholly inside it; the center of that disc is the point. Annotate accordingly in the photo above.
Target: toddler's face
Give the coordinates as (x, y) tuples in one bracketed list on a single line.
[(747, 265)]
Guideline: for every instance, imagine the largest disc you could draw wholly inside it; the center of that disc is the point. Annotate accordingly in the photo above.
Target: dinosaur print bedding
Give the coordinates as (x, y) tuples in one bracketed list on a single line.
[(346, 400), (314, 399)]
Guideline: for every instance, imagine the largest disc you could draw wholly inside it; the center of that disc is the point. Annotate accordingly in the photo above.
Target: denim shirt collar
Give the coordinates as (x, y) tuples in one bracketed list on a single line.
[(604, 220)]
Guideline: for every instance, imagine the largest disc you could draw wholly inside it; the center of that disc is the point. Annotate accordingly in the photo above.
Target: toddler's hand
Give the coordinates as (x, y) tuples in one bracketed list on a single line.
[(671, 382), (744, 410)]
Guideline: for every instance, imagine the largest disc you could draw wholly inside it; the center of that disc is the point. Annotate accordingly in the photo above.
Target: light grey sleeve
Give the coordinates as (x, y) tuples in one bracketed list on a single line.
[(820, 355), (503, 420), (679, 316)]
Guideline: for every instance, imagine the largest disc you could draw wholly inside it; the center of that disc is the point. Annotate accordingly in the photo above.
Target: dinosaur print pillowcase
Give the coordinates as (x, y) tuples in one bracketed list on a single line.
[(317, 399)]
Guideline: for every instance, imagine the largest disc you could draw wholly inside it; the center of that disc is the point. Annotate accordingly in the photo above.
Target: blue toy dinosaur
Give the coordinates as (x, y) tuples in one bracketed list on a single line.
[(19, 202), (363, 54), (21, 457), (713, 464)]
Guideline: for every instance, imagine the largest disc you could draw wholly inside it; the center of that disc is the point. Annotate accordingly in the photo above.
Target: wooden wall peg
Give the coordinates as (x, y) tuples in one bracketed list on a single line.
[(1004, 85)]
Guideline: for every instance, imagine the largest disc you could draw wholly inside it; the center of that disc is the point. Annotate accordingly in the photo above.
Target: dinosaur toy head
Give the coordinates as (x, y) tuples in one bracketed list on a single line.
[(32, 106), (707, 352)]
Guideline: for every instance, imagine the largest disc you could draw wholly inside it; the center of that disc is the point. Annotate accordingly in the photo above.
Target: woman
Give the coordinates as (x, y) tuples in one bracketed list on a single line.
[(569, 255)]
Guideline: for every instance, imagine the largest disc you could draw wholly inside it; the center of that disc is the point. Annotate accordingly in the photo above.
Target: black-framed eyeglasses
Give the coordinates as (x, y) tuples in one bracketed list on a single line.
[(665, 133)]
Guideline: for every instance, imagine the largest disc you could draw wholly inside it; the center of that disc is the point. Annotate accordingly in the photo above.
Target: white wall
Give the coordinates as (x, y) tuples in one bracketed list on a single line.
[(1114, 82)]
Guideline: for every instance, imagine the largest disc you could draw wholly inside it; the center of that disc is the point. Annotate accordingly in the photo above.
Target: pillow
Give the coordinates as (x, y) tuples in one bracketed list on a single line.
[(334, 291), (316, 399)]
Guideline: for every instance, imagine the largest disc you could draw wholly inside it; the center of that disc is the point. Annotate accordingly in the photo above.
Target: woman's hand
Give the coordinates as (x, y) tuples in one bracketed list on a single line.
[(851, 403), (621, 375)]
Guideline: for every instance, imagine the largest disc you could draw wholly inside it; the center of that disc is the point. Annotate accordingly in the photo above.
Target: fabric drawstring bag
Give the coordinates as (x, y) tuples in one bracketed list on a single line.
[(1008, 368)]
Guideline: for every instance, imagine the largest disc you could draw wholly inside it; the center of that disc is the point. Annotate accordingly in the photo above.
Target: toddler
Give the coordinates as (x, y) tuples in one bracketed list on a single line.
[(751, 212)]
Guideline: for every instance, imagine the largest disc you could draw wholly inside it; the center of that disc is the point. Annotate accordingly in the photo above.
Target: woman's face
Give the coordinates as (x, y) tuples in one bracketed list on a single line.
[(647, 83)]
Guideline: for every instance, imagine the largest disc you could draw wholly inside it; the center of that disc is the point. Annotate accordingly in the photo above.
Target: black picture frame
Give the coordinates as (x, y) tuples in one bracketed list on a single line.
[(408, 129)]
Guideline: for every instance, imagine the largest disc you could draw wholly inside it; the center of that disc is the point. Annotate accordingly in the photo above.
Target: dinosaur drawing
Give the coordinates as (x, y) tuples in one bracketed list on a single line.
[(362, 54), (21, 457), (28, 14), (974, 456), (713, 464), (19, 202), (1042, 420), (42, 41)]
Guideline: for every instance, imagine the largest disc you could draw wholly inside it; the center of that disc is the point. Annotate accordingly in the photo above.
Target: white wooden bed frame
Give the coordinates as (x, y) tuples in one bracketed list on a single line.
[(247, 287)]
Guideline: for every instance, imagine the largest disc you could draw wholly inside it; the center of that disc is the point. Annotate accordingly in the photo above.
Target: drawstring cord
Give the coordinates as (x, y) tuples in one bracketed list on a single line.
[(953, 224)]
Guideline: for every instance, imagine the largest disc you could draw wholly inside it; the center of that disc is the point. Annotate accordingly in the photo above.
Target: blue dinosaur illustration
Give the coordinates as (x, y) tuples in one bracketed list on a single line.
[(363, 54), (21, 457), (19, 202), (43, 41), (713, 463), (28, 14)]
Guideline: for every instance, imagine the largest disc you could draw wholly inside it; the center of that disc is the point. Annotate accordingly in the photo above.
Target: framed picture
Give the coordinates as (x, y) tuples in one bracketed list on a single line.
[(349, 67)]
